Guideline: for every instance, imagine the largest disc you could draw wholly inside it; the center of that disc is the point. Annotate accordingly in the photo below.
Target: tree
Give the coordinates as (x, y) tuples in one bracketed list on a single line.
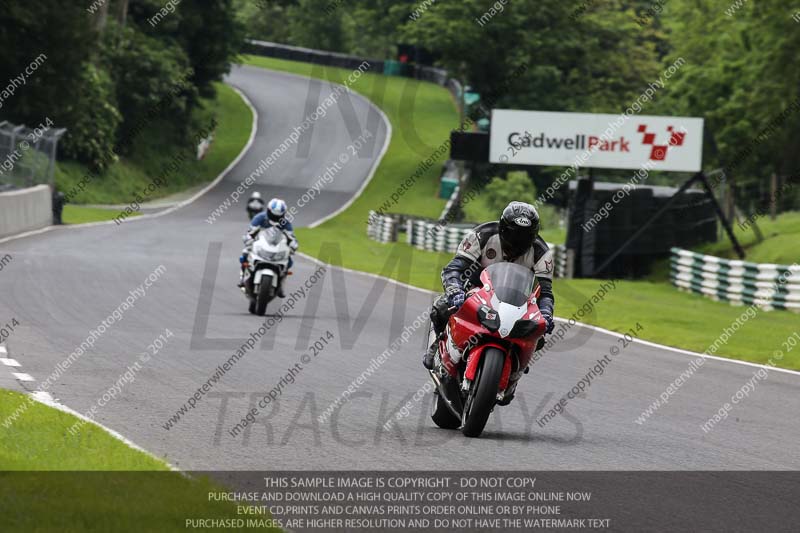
[(211, 36), (152, 79), (265, 20), (516, 187), (313, 25), (64, 87), (372, 26), (540, 54), (742, 74)]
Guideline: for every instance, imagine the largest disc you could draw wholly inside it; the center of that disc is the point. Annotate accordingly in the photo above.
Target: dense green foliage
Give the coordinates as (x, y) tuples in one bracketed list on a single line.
[(739, 64), (150, 74), (92, 117), (500, 192), (742, 73), (109, 68)]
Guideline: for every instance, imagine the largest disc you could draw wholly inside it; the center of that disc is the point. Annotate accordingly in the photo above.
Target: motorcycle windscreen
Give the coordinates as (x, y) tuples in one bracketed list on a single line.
[(513, 284), (272, 235)]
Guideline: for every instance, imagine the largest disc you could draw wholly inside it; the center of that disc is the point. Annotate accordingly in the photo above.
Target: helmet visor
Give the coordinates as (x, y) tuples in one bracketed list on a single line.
[(516, 241)]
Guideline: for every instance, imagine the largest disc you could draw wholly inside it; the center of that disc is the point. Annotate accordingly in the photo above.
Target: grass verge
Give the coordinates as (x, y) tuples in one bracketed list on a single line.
[(779, 245), (681, 320), (155, 150), (669, 317), (38, 440), (53, 481), (78, 214)]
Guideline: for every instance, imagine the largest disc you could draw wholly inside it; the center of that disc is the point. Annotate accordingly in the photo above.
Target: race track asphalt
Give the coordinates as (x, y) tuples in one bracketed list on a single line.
[(63, 283)]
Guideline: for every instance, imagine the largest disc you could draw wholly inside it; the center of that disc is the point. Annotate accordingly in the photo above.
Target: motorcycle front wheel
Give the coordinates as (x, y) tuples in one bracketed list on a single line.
[(483, 392), (265, 295)]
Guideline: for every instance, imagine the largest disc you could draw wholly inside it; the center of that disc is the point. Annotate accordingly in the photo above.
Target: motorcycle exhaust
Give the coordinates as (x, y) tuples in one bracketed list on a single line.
[(443, 394)]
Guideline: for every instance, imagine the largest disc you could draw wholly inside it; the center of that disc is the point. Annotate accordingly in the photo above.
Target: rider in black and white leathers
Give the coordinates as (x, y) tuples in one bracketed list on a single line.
[(514, 238)]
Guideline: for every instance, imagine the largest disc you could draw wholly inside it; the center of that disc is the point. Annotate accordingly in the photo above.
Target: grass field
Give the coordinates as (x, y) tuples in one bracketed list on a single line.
[(669, 316), (153, 150), (52, 481), (681, 320), (780, 244), (78, 214)]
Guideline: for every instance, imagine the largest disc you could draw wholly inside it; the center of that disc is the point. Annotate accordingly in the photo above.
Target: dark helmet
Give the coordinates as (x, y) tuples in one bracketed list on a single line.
[(519, 227)]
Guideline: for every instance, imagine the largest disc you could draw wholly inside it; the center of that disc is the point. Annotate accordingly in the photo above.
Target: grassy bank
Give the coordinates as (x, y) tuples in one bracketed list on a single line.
[(53, 481), (681, 320), (155, 150), (779, 245), (38, 440), (78, 214), (669, 316)]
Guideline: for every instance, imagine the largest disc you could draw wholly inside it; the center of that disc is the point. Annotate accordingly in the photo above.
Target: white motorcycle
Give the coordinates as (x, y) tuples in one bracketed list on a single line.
[(267, 265)]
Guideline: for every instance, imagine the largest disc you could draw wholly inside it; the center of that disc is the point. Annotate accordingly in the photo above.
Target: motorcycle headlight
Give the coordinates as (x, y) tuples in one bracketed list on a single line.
[(277, 256), (488, 318)]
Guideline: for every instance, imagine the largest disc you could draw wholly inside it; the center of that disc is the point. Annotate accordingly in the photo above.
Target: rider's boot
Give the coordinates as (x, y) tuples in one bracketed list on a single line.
[(243, 266), (427, 357), (280, 292), (430, 353)]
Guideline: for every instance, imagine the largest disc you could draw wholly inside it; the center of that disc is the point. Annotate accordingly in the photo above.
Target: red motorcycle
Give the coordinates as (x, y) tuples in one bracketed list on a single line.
[(486, 348)]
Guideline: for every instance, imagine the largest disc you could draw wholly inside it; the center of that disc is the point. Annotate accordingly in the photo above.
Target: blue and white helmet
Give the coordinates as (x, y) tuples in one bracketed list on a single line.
[(276, 211)]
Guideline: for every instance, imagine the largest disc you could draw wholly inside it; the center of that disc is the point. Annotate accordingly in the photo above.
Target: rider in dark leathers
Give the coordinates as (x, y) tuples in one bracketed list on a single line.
[(514, 238)]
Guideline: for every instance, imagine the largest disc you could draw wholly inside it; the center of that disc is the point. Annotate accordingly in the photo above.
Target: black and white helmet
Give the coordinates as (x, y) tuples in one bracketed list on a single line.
[(519, 227), (255, 201)]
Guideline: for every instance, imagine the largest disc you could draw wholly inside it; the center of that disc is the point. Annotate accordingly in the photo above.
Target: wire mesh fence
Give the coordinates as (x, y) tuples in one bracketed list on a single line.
[(27, 155)]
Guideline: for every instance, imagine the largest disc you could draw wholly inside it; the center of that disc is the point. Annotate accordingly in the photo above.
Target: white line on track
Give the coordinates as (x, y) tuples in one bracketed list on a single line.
[(577, 324), (9, 362), (684, 352), (250, 141), (46, 398), (43, 396)]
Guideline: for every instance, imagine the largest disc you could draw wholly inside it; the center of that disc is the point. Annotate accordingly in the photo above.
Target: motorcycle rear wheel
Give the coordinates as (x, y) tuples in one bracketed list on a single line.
[(483, 393)]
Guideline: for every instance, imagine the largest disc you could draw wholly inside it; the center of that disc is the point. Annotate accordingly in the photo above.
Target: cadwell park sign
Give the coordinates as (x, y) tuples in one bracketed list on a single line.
[(596, 140)]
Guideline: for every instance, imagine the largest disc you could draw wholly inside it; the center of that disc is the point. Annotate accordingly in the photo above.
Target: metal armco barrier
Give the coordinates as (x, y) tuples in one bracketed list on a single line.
[(765, 285), (434, 236)]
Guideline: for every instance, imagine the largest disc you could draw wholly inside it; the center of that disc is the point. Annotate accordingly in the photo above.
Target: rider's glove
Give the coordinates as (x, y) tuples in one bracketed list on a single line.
[(550, 322), (294, 245), (455, 296)]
